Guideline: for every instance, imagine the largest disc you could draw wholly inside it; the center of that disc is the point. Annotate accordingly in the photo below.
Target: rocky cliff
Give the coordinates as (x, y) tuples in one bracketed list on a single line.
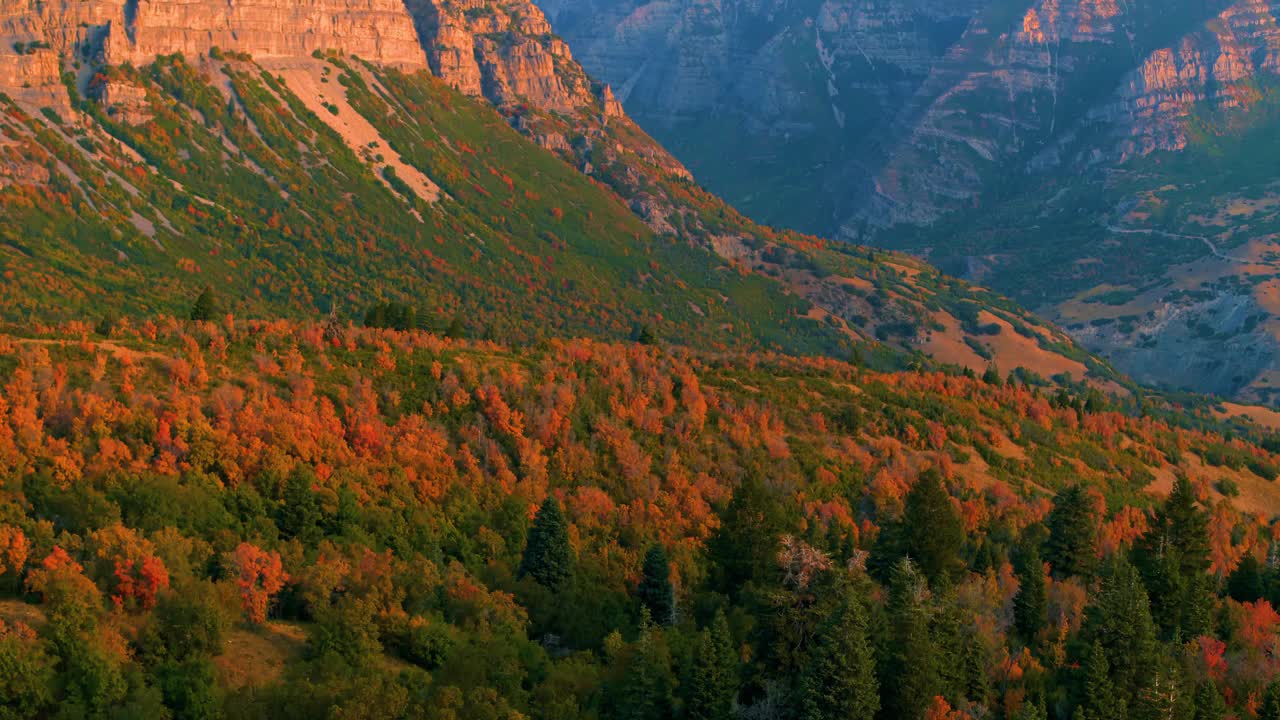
[(1073, 84), (38, 39), (502, 50)]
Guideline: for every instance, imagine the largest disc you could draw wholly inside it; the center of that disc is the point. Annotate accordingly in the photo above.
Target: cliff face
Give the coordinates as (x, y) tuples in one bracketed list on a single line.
[(1019, 99), (119, 31), (39, 39), (502, 50), (899, 111)]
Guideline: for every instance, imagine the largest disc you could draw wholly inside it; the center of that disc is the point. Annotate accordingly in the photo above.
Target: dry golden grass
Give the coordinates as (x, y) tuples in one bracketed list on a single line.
[(256, 656)]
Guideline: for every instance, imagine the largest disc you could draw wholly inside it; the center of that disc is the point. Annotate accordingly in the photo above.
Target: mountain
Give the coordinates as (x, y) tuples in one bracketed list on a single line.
[(1102, 163), (366, 361), (328, 171)]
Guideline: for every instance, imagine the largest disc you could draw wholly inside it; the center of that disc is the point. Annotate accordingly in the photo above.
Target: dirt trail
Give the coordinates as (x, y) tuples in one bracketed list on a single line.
[(1208, 243), (120, 351)]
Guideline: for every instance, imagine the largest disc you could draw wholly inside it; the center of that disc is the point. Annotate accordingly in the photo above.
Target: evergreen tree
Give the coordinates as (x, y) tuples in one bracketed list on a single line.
[(1030, 605), (712, 686), (962, 659), (455, 330), (744, 549), (1099, 700), (1209, 703), (992, 376), (1270, 709), (1173, 557), (911, 672), (299, 513), (1247, 583), (1165, 695), (1072, 545), (655, 591), (205, 307), (1119, 620), (839, 682), (547, 555), (933, 529), (643, 690)]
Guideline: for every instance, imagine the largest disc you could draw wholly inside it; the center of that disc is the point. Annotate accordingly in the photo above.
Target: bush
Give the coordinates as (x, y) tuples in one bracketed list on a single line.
[(421, 641)]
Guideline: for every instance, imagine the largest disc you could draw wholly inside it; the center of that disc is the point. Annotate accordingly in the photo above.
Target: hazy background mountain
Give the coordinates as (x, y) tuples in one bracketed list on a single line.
[(1105, 163)]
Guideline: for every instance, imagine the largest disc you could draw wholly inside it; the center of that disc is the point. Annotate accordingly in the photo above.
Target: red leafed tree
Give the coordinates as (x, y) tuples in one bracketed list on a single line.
[(942, 710), (138, 583), (258, 575), (13, 549)]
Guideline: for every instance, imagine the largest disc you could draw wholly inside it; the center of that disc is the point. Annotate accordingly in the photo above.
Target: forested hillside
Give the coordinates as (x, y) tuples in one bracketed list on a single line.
[(230, 518)]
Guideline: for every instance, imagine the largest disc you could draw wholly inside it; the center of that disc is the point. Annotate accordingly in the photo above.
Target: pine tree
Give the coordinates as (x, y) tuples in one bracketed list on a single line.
[(1209, 703), (1173, 557), (1030, 605), (1270, 709), (962, 658), (712, 685), (992, 376), (1119, 621), (644, 688), (547, 555), (934, 532), (1247, 583), (839, 682), (655, 591), (1072, 545), (744, 549), (911, 673), (1100, 701), (1166, 695), (205, 307)]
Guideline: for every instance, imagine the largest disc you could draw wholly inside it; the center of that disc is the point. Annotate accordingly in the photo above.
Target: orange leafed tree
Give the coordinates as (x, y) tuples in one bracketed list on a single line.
[(258, 576)]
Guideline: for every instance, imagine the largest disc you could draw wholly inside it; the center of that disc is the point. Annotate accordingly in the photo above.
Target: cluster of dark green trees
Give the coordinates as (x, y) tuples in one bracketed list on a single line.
[(844, 643), (776, 620)]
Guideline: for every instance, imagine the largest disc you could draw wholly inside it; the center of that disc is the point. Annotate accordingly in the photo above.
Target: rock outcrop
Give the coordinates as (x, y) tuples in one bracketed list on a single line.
[(502, 50), (39, 39), (1018, 99)]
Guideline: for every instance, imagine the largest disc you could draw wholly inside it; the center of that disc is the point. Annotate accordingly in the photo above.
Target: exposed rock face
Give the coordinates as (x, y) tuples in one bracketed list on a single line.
[(1017, 106), (37, 38), (138, 30), (789, 88), (375, 30), (898, 111), (502, 50), (1213, 68)]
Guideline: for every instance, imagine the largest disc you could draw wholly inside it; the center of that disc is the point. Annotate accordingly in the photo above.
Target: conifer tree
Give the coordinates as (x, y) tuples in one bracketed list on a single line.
[(934, 532), (1270, 709), (1072, 545), (1209, 703), (644, 687), (911, 673), (547, 555), (712, 685), (205, 307), (1099, 700), (1247, 583), (745, 546), (1119, 621), (1030, 605), (655, 591), (839, 682), (1173, 557)]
